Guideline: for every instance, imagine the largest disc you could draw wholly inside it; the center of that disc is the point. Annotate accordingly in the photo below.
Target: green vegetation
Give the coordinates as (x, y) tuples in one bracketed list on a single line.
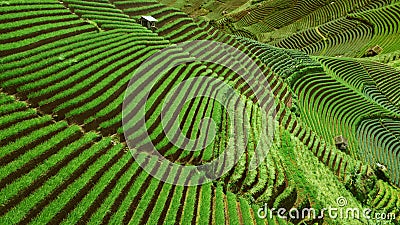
[(332, 68)]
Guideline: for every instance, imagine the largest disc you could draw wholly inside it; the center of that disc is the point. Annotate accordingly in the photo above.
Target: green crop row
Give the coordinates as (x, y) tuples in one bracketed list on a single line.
[(100, 186), (70, 80), (43, 23), (121, 20), (27, 203), (219, 210), (175, 55), (232, 209), (81, 54), (57, 22), (195, 113), (108, 202), (40, 13), (91, 81), (100, 13), (379, 144), (241, 146), (59, 51), (366, 77), (19, 115), (55, 206), (118, 217), (98, 5), (149, 194), (68, 28), (34, 135), (175, 23), (102, 84), (246, 212), (129, 10), (134, 1), (110, 107), (160, 204), (184, 33), (332, 107), (21, 7), (216, 108), (8, 107), (188, 206), (4, 99), (23, 182), (174, 205), (209, 113), (19, 128), (35, 2), (49, 49), (36, 152), (205, 203)]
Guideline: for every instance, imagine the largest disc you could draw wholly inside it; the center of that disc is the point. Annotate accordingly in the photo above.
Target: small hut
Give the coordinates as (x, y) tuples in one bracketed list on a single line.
[(341, 143), (148, 21), (373, 51)]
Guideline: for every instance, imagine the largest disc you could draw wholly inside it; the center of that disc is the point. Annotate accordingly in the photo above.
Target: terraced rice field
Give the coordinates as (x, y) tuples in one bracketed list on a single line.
[(66, 156)]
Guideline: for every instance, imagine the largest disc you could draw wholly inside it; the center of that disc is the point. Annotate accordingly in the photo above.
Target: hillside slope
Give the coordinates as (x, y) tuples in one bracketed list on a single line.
[(65, 67)]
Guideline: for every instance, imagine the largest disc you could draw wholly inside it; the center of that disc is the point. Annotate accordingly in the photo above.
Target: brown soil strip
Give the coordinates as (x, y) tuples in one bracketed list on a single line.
[(9, 124), (328, 159), (175, 26), (293, 127), (138, 90), (30, 3), (63, 213), (196, 205), (226, 210), (105, 193), (169, 199), (131, 4), (44, 14), (184, 31), (37, 33), (198, 159), (44, 41), (99, 80), (136, 200), (23, 133), (153, 201), (334, 162), (140, 12), (118, 201), (48, 107), (181, 205), (37, 160), (307, 141), (339, 166), (42, 179), (53, 195), (24, 94), (10, 111), (289, 120), (240, 214), (166, 12)]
